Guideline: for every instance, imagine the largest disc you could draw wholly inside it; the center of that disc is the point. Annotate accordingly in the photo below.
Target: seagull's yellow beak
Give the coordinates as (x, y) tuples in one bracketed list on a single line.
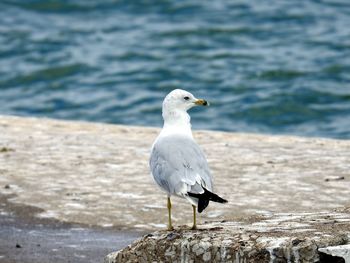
[(201, 102)]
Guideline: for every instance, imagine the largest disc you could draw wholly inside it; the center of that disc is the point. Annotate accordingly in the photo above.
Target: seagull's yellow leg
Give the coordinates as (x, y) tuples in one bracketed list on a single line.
[(170, 226), (194, 218)]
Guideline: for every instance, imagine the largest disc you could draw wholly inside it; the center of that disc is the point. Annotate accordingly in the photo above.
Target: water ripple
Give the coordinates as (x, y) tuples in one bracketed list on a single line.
[(275, 67)]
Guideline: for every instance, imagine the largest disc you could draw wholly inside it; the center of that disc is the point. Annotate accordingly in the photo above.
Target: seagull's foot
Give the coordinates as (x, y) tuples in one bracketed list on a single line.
[(170, 228), (194, 227)]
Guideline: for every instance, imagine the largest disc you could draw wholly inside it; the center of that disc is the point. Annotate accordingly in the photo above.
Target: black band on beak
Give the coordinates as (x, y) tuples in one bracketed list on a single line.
[(201, 102)]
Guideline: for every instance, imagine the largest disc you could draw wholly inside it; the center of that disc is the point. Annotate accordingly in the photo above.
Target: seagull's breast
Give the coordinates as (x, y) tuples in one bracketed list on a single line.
[(176, 130)]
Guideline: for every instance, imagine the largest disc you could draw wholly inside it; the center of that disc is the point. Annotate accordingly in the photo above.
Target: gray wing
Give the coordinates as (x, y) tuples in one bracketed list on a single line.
[(179, 166)]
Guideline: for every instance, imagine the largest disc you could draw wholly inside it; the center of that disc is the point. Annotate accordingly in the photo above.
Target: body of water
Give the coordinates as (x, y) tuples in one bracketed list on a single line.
[(280, 67)]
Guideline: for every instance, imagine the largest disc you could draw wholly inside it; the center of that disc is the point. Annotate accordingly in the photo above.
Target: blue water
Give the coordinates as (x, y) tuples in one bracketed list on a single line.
[(277, 66)]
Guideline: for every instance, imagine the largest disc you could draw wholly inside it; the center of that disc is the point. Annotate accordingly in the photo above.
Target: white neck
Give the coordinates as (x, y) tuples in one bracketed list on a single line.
[(176, 121)]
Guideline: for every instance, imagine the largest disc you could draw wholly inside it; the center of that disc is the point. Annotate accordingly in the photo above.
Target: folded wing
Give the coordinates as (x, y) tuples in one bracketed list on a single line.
[(179, 166)]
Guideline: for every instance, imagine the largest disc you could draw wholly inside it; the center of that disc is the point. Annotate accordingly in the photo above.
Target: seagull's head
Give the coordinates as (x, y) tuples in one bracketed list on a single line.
[(180, 99)]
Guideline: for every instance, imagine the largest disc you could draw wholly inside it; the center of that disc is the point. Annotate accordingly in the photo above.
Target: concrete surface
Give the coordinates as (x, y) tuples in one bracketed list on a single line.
[(98, 174), (282, 193)]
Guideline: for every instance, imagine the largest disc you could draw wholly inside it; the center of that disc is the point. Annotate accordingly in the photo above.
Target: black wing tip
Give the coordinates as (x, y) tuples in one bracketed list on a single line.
[(214, 197), (202, 204), (224, 201), (204, 198)]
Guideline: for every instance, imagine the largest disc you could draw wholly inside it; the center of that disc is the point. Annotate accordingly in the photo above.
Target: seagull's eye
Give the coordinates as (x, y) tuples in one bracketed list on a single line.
[(186, 98)]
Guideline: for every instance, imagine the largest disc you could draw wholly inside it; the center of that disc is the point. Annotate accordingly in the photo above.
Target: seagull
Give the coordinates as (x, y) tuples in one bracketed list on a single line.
[(177, 163)]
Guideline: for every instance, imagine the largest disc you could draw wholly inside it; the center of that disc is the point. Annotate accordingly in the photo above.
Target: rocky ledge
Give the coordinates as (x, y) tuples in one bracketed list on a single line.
[(282, 237)]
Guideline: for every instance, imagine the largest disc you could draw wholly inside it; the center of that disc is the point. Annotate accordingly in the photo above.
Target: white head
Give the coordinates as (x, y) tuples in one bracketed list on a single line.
[(183, 100), (177, 103)]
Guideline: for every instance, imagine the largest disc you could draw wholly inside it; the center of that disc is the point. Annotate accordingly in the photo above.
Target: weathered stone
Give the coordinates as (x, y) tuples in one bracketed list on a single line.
[(342, 251), (207, 256), (276, 243)]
